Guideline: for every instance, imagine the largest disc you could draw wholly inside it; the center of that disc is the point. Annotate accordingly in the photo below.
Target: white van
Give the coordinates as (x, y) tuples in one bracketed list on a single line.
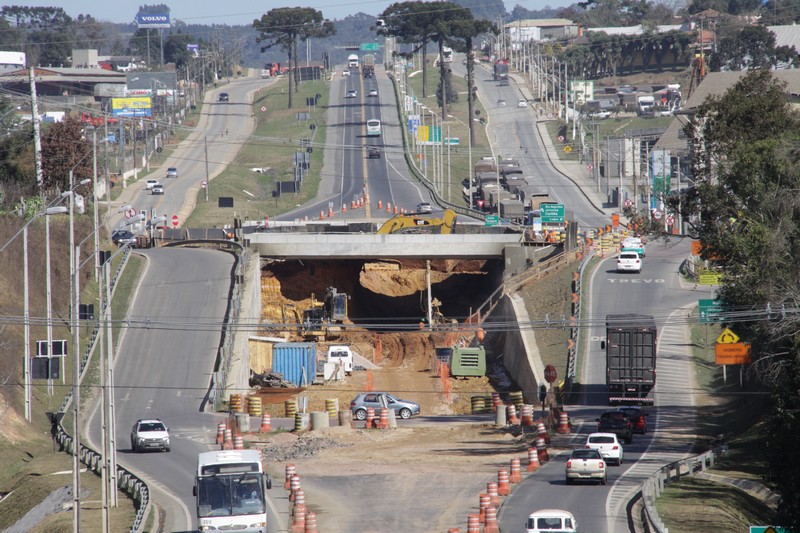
[(373, 127), (343, 356), (551, 521)]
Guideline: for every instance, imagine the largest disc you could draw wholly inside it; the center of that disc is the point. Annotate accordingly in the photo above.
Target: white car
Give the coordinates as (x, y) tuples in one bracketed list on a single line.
[(149, 434), (629, 261), (601, 114), (608, 445), (346, 72), (522, 103), (424, 207), (586, 465), (149, 184), (551, 521), (351, 94), (373, 92)]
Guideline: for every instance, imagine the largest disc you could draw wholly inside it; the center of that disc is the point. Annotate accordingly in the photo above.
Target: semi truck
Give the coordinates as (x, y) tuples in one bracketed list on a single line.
[(369, 65), (500, 72), (630, 346), (352, 61)]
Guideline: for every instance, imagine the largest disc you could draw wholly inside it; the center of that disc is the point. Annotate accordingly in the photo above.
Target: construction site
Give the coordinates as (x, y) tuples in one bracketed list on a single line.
[(395, 314)]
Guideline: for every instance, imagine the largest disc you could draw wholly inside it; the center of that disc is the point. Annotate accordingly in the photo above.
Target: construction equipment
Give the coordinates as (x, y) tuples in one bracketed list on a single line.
[(420, 223), (322, 319)]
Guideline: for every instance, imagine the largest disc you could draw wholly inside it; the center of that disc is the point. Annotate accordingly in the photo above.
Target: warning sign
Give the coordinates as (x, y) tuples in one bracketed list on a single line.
[(727, 337), (729, 351)]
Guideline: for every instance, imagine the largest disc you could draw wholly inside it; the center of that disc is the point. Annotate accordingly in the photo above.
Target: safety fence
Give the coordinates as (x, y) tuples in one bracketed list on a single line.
[(657, 483), (128, 482)]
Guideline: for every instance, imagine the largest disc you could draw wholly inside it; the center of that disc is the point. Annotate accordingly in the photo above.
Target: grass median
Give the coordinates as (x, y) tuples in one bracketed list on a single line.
[(280, 134)]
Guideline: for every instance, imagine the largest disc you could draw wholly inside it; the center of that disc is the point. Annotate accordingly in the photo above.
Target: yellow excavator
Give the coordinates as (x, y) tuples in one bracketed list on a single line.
[(420, 223)]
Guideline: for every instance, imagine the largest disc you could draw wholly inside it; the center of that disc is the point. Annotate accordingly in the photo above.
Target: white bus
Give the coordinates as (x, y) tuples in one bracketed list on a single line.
[(231, 491), (373, 127)]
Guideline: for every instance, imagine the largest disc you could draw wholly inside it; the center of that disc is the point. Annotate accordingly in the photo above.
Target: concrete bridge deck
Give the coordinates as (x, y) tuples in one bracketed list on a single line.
[(374, 246)]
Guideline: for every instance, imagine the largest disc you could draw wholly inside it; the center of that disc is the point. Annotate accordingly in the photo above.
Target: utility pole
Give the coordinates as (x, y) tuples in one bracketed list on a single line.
[(37, 139), (205, 143)]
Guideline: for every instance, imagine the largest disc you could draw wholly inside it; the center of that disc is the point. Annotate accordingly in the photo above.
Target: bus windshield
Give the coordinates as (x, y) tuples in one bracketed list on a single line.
[(230, 495)]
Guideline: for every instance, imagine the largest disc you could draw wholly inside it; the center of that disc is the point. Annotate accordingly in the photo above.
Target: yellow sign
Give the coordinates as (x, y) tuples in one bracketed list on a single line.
[(727, 337), (568, 149), (736, 353), (133, 102), (710, 278)]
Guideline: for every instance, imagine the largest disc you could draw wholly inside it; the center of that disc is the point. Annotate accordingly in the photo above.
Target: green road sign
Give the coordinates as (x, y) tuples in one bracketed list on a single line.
[(552, 213), (492, 220), (370, 47), (770, 529), (710, 310)]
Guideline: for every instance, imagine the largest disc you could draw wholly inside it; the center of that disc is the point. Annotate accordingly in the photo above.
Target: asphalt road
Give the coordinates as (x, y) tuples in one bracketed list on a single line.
[(208, 150), (347, 173), (511, 131), (658, 291)]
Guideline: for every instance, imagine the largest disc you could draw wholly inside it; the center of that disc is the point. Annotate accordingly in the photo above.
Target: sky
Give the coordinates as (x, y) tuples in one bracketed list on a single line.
[(234, 13)]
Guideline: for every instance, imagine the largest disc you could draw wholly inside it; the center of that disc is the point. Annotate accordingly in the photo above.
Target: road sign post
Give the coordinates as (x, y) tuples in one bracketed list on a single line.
[(174, 221)]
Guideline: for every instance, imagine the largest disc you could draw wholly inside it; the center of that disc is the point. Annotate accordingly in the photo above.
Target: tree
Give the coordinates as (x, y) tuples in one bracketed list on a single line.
[(462, 35), (65, 148), (752, 47), (411, 23), (747, 166), (283, 26)]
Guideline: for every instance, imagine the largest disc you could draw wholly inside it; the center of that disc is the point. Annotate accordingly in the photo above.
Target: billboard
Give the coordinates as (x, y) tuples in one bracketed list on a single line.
[(152, 21), (138, 106)]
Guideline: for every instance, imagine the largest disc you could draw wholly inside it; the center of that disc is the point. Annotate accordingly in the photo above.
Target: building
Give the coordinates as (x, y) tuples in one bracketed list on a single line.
[(523, 31)]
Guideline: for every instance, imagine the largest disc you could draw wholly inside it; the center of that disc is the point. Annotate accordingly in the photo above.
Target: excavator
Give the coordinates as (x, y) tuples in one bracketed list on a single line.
[(420, 223), (323, 319)]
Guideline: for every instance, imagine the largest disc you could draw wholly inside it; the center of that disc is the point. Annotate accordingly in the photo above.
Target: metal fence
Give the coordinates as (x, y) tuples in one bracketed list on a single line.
[(657, 483)]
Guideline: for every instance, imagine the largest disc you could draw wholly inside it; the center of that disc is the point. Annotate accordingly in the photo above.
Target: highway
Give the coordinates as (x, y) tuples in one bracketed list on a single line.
[(661, 292), (223, 127), (511, 131), (163, 373), (347, 172)]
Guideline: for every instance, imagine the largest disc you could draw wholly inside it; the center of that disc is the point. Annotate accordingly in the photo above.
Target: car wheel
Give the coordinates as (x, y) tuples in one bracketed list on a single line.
[(134, 448), (405, 414), (604, 480), (619, 461), (569, 481), (167, 449), (361, 414)]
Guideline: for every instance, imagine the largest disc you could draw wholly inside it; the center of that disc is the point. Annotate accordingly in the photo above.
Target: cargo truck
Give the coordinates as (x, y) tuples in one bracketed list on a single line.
[(500, 72), (630, 346), (512, 210), (369, 65)]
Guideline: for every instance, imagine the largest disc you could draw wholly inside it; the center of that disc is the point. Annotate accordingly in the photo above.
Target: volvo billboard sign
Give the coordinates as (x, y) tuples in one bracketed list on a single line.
[(152, 21)]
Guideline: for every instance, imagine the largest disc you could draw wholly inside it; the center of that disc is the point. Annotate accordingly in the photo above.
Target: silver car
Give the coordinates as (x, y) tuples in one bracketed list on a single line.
[(403, 408)]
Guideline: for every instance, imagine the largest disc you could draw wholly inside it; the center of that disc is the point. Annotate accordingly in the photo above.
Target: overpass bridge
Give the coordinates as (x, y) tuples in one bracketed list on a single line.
[(392, 246)]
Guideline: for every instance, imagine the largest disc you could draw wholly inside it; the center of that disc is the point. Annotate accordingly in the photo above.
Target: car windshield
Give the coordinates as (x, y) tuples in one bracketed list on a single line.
[(152, 426), (230, 495)]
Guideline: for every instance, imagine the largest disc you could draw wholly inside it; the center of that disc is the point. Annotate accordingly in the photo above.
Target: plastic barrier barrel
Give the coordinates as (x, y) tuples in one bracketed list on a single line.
[(291, 408), (235, 403), (478, 405), (254, 405)]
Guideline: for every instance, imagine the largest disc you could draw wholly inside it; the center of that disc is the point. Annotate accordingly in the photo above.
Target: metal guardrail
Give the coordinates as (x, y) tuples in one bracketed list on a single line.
[(128, 482), (655, 484)]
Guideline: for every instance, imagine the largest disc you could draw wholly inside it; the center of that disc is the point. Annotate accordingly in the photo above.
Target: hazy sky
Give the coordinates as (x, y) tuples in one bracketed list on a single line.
[(235, 12)]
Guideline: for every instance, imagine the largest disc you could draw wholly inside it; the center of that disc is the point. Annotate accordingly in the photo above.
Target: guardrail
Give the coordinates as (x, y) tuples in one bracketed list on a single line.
[(128, 482), (655, 484)]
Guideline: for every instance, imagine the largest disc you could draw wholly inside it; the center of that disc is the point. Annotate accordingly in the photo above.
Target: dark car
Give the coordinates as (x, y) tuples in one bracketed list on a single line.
[(617, 422), (223, 97), (374, 152), (121, 237), (638, 418)]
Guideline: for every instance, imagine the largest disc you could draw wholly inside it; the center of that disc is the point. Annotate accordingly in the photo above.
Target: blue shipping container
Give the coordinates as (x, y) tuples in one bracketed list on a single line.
[(297, 361)]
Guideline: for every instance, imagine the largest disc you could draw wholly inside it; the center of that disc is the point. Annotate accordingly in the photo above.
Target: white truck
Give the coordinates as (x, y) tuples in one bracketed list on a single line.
[(352, 61), (341, 356), (646, 106)]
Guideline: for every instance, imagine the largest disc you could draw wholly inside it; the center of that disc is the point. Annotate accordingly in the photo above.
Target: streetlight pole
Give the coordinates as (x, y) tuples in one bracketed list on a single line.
[(469, 140)]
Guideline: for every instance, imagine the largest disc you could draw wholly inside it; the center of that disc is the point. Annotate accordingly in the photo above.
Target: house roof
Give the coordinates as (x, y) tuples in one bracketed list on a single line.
[(716, 83), (788, 35), (540, 23), (64, 72), (636, 30)]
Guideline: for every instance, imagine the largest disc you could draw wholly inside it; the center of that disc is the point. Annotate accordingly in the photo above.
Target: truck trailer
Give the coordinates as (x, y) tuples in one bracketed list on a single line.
[(630, 346)]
